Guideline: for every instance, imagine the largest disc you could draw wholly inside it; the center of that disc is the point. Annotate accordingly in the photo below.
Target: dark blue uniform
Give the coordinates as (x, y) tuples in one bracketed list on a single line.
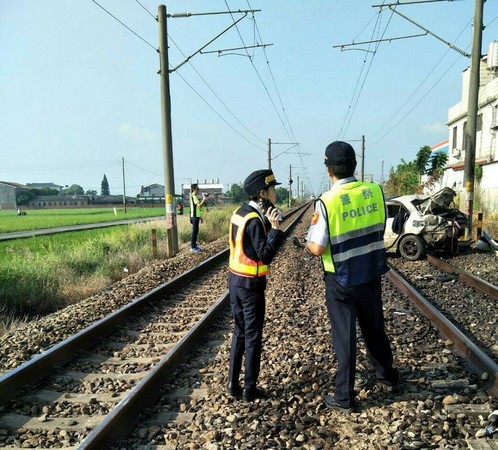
[(247, 299)]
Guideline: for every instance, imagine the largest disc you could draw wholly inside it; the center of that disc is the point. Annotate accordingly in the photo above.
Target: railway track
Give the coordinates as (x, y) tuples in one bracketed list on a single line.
[(441, 405), (462, 306), (96, 397)]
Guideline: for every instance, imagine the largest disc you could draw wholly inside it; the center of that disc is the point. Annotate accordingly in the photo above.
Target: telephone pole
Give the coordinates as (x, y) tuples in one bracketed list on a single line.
[(290, 186), (362, 157), (169, 177), (124, 184), (269, 153), (472, 109), (285, 151)]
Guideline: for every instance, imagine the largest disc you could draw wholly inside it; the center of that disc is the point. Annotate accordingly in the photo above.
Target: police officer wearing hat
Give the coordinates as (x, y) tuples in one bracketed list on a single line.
[(347, 231), (254, 237)]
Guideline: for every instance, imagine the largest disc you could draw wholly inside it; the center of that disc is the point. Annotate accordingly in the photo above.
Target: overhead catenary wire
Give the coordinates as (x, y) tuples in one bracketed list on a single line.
[(124, 25), (152, 15), (217, 96), (292, 135), (259, 76), (416, 104), (217, 113), (366, 75), (417, 89)]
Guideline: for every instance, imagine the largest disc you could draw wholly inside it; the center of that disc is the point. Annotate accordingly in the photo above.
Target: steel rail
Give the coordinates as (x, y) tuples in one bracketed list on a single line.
[(479, 363), (39, 367), (466, 277)]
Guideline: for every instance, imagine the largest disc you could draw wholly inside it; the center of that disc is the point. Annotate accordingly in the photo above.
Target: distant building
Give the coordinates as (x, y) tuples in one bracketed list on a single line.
[(486, 142), (8, 194), (213, 190), (45, 185), (74, 201), (153, 190), (58, 201)]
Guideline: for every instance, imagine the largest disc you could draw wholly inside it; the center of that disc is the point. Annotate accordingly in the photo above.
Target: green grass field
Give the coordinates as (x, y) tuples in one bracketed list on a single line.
[(50, 218), (41, 274)]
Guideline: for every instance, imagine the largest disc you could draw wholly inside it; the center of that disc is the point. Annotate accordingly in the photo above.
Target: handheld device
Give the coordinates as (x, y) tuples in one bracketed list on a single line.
[(266, 205)]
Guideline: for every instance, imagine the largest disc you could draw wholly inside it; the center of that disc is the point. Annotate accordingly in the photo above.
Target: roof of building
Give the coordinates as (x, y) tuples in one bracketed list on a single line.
[(47, 185), (14, 185)]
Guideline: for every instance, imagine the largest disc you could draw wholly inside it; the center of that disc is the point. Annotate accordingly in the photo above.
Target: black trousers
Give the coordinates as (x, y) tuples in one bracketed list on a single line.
[(248, 309), (195, 231), (344, 306)]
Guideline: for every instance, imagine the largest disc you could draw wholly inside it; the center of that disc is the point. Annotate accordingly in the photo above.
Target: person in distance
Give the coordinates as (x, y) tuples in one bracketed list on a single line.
[(195, 215), (347, 231), (254, 239)]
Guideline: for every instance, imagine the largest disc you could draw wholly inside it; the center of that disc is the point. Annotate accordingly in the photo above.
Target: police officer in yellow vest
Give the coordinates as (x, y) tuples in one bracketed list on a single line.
[(254, 237), (347, 231)]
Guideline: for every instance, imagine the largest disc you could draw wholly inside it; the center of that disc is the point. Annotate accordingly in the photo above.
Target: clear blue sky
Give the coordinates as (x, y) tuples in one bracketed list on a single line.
[(79, 91)]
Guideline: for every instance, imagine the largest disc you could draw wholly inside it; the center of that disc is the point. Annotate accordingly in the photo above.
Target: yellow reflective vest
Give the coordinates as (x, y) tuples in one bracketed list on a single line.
[(195, 209), (356, 218), (239, 262)]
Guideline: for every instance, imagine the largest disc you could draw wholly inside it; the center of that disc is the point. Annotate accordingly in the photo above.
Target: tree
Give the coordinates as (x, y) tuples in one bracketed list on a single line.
[(104, 187), (74, 189), (92, 192), (282, 195), (404, 180), (237, 193), (422, 159), (407, 178), (25, 196)]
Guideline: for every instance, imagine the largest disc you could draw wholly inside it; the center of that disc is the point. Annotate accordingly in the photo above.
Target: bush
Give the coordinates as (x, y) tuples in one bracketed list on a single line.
[(27, 289)]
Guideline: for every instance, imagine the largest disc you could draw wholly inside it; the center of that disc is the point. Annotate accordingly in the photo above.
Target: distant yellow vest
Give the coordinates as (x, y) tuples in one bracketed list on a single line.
[(195, 209), (356, 221), (239, 262)]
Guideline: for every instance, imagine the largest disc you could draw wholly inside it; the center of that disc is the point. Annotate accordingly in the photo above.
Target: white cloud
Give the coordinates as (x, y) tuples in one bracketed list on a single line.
[(130, 131)]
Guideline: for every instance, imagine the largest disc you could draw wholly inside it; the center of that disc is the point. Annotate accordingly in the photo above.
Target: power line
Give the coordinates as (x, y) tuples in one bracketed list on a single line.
[(292, 135), (259, 76), (141, 168), (416, 104), (217, 113), (152, 15), (126, 26), (419, 86), (216, 95), (366, 75)]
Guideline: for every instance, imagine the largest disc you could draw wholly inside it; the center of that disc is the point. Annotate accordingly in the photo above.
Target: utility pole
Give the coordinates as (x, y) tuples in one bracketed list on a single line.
[(124, 185), (381, 171), (297, 188), (473, 105), (290, 186), (169, 177), (362, 157), (269, 153), (285, 151)]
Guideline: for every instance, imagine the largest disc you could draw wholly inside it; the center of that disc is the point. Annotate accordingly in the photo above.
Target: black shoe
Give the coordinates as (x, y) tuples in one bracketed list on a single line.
[(250, 395), (234, 389), (332, 404), (393, 385), (390, 386)]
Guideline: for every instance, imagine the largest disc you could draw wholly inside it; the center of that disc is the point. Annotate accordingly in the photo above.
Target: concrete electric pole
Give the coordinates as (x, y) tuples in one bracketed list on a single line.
[(169, 177), (472, 109)]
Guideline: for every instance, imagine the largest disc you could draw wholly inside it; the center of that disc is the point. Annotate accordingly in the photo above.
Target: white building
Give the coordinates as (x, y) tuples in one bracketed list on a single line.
[(486, 144)]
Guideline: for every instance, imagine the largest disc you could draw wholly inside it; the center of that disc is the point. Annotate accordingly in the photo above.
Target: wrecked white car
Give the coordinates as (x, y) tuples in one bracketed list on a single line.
[(420, 223)]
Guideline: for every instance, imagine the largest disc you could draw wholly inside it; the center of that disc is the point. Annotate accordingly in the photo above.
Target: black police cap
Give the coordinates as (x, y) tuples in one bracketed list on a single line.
[(260, 179), (338, 153)]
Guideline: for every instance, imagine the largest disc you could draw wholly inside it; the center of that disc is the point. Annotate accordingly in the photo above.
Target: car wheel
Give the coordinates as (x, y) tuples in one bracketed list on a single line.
[(412, 247)]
